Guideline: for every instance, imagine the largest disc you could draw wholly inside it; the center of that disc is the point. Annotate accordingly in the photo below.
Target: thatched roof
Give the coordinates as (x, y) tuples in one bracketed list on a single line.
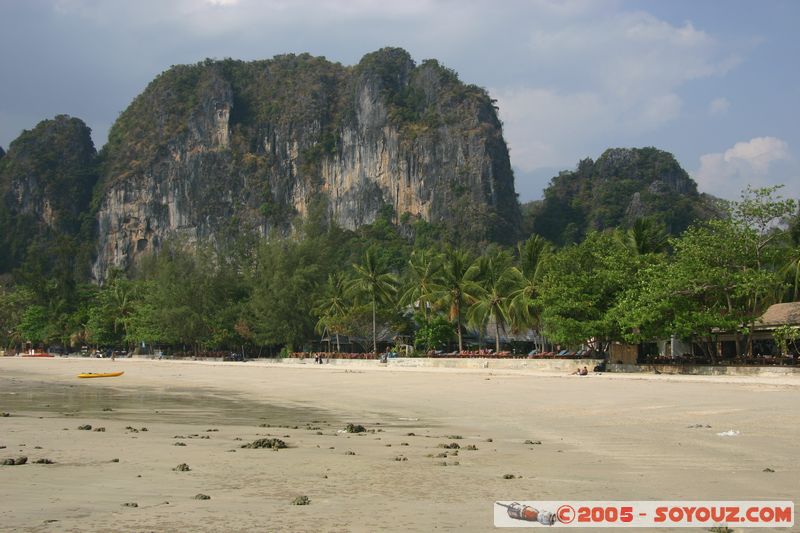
[(779, 315)]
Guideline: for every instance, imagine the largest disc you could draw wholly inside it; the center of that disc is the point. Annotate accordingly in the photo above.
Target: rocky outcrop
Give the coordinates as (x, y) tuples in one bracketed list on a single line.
[(48, 172), (223, 147), (623, 185), (46, 182)]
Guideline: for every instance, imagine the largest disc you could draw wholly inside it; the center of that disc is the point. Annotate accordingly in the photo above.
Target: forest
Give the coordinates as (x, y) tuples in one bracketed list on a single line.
[(275, 296)]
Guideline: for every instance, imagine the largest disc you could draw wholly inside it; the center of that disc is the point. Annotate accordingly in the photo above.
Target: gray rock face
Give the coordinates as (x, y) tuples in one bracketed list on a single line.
[(220, 148)]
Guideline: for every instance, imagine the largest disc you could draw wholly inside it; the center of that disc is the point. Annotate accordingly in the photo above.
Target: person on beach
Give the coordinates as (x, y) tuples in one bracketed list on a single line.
[(581, 372)]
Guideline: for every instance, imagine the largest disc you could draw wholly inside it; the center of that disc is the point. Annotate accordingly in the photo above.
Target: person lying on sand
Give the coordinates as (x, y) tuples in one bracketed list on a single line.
[(581, 372)]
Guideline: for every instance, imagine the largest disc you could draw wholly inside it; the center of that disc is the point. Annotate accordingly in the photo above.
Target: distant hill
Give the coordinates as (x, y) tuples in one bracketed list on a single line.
[(622, 185)]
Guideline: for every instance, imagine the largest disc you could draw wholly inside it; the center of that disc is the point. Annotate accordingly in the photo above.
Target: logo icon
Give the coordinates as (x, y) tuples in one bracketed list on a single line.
[(565, 514)]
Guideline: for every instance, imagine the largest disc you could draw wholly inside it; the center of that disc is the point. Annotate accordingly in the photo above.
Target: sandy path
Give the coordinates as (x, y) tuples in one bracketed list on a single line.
[(603, 437)]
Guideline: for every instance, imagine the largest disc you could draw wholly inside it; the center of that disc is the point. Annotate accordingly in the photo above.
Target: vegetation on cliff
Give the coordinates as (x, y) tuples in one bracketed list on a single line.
[(623, 185)]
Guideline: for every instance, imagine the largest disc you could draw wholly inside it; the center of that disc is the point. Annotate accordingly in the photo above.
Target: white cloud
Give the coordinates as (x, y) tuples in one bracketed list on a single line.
[(746, 163), (719, 106), (539, 122), (631, 53), (618, 76)]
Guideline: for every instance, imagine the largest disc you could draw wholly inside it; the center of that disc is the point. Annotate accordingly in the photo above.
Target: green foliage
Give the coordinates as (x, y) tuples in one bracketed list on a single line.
[(493, 282), (623, 185), (374, 282), (334, 305), (722, 276), (452, 289), (35, 325), (524, 307), (434, 333), (646, 236), (422, 273), (110, 313), (786, 336), (287, 284), (389, 68), (580, 288), (13, 304), (183, 299)]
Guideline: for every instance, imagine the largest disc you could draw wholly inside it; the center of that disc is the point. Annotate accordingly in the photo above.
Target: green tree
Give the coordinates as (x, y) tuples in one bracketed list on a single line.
[(286, 285), (494, 280), (785, 336), (175, 301), (646, 236), (13, 303), (34, 325), (580, 288), (524, 309), (433, 333), (716, 281), (374, 280), (422, 272), (790, 270), (111, 311), (333, 307), (452, 289)]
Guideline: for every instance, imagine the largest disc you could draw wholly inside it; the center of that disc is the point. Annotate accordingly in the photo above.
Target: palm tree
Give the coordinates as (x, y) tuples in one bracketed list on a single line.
[(494, 279), (373, 279), (646, 236), (333, 307), (524, 312), (453, 287), (122, 303), (424, 268)]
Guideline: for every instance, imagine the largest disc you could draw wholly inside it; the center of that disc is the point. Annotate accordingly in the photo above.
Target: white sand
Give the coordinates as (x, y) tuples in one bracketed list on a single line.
[(603, 438)]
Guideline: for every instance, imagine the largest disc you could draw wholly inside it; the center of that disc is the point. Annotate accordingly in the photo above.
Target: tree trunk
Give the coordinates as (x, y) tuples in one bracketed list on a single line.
[(338, 348), (458, 327), (496, 336), (374, 330)]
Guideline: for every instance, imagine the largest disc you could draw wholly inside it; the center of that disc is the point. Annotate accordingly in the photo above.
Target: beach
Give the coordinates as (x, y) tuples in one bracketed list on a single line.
[(599, 437)]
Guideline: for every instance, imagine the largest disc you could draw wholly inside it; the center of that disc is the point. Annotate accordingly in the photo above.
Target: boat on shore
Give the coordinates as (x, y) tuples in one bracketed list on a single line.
[(100, 374)]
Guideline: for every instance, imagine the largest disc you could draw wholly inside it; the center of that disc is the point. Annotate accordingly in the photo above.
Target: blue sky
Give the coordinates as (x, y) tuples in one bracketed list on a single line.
[(716, 83)]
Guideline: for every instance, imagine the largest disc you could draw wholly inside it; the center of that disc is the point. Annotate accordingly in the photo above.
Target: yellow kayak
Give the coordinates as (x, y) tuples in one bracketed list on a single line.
[(100, 375)]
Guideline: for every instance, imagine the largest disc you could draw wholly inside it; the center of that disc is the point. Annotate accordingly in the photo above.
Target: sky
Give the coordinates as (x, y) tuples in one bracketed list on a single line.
[(715, 83)]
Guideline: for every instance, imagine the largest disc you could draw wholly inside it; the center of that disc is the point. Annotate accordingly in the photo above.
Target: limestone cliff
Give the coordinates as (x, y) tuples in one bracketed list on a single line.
[(46, 182), (209, 150)]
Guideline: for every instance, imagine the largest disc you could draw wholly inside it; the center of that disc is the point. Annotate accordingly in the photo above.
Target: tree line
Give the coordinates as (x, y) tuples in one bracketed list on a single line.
[(628, 284)]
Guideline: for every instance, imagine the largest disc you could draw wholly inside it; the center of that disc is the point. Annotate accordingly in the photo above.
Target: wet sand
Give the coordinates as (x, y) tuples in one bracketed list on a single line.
[(602, 438)]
